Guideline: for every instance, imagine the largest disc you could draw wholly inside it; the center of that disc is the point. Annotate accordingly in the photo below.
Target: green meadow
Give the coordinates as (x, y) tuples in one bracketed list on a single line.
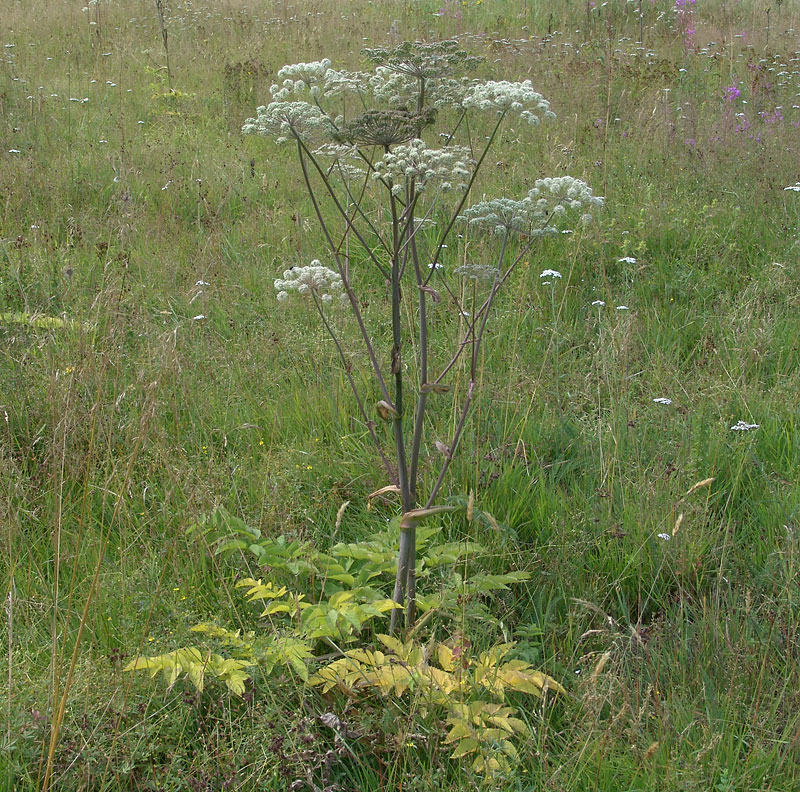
[(634, 437)]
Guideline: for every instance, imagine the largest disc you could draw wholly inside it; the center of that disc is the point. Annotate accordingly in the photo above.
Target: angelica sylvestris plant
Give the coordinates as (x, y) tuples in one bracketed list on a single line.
[(378, 169)]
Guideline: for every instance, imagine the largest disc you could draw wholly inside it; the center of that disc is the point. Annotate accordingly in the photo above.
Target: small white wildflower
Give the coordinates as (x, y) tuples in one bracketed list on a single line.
[(598, 303), (794, 187), (282, 296), (549, 273), (202, 283), (743, 426), (435, 265), (662, 400), (14, 151), (198, 318), (623, 308), (627, 260), (664, 537)]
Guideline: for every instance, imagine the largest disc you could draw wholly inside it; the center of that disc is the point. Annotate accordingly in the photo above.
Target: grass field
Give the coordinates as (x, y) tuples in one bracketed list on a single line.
[(148, 376)]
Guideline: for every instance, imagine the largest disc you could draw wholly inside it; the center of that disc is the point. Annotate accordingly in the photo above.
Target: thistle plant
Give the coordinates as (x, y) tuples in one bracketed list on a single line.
[(375, 179)]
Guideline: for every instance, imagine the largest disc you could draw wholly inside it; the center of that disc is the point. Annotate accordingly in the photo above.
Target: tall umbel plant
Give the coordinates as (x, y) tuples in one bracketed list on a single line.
[(365, 148)]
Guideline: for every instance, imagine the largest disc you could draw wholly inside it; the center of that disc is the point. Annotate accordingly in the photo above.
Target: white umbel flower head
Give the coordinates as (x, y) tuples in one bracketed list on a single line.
[(743, 426), (298, 77), (449, 167), (477, 272), (282, 120), (393, 88), (342, 156), (337, 83), (512, 97), (314, 280), (535, 214), (553, 196), (500, 215)]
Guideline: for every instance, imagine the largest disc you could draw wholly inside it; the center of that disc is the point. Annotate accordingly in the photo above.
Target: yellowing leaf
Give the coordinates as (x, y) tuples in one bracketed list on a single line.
[(460, 730), (521, 676), (445, 655), (442, 680), (466, 746), (392, 644)]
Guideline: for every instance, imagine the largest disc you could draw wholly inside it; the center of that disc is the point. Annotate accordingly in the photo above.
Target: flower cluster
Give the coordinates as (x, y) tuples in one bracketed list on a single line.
[(393, 88), (448, 166), (419, 59), (313, 280), (283, 120), (344, 82), (473, 271), (500, 215), (299, 77), (549, 199), (556, 194), (383, 127), (743, 426), (567, 191), (342, 156), (504, 96), (398, 89)]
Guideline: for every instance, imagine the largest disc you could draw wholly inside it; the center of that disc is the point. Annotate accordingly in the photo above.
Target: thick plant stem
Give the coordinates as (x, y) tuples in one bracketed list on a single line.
[(408, 536)]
